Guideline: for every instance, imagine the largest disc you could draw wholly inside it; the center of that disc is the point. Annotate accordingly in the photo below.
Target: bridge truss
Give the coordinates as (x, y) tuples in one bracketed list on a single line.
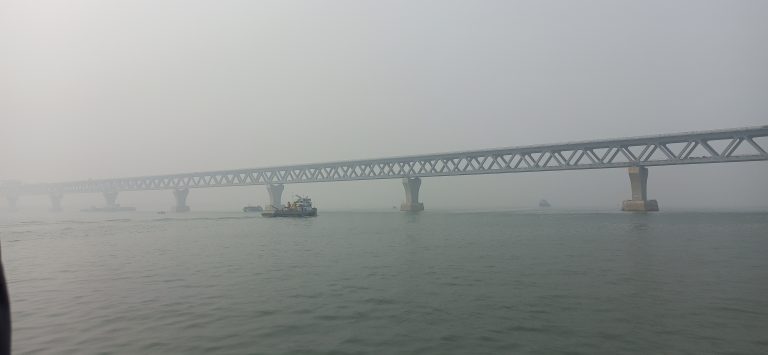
[(733, 145)]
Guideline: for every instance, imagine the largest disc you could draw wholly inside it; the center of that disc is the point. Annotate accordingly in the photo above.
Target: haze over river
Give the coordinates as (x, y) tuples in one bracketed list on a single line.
[(441, 282)]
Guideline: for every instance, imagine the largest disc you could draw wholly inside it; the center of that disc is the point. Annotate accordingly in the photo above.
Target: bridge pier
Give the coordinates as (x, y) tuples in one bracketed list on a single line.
[(56, 201), (275, 196), (110, 197), (412, 203), (638, 178), (181, 200)]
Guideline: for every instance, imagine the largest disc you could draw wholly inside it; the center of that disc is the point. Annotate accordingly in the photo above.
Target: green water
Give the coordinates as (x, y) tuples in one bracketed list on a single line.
[(387, 282)]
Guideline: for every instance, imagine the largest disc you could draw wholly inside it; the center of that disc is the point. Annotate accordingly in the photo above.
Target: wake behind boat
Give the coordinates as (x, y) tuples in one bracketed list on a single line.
[(302, 207)]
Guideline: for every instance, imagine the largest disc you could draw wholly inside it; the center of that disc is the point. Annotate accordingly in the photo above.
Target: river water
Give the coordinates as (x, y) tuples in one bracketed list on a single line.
[(450, 282)]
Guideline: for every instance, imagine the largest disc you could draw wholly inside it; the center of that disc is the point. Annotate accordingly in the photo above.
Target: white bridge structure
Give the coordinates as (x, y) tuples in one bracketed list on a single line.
[(635, 153)]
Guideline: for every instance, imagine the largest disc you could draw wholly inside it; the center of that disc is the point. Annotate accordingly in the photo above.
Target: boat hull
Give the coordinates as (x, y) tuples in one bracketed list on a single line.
[(289, 213)]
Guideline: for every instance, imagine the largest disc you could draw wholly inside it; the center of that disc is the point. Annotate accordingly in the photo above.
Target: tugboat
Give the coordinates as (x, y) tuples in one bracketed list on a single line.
[(252, 209), (302, 207)]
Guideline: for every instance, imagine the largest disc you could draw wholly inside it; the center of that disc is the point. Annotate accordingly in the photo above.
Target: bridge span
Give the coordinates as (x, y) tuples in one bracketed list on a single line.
[(634, 153)]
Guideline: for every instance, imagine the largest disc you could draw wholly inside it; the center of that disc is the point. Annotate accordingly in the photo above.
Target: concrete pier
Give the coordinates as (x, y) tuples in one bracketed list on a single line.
[(638, 178), (181, 200), (110, 198), (412, 203), (275, 196), (55, 201)]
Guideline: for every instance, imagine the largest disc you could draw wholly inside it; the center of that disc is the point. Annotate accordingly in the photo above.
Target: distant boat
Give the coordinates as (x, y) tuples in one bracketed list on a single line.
[(302, 207), (252, 209), (544, 204)]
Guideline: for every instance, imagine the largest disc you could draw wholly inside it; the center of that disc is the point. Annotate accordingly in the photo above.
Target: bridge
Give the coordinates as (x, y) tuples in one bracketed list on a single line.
[(634, 153)]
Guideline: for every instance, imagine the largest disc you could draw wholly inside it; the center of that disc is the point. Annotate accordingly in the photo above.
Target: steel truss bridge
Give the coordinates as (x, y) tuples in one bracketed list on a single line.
[(720, 146)]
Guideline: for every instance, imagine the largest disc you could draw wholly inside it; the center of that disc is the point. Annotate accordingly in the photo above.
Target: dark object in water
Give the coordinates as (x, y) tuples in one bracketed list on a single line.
[(252, 209), (5, 315), (160, 212), (544, 203)]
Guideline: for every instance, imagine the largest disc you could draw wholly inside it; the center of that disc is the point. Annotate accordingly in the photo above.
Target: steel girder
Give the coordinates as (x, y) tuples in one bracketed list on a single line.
[(733, 145)]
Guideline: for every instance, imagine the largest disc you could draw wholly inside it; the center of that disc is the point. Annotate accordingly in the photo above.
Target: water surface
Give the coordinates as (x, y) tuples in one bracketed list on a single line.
[(386, 282)]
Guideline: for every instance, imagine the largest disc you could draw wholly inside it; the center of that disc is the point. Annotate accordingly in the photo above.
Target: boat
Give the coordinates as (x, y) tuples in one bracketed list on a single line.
[(252, 209), (302, 207), (543, 203)]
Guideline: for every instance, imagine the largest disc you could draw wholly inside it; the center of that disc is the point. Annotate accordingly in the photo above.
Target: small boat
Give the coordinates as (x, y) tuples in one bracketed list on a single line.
[(544, 204), (302, 207), (252, 209)]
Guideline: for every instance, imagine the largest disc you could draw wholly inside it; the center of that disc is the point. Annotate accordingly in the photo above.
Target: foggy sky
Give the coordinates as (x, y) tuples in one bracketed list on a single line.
[(100, 89)]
